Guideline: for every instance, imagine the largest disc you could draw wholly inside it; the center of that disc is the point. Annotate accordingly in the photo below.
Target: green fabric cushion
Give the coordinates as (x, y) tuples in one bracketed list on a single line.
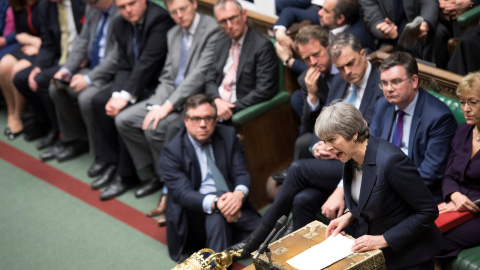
[(470, 17), (453, 104)]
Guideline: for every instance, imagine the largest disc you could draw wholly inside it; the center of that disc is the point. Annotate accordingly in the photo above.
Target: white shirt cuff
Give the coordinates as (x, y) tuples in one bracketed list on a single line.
[(207, 203), (340, 184), (125, 95), (243, 189), (313, 107), (87, 79), (68, 71)]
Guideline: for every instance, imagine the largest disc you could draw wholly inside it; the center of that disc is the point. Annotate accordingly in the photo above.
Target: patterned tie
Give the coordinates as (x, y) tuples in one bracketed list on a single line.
[(352, 97), (217, 176), (137, 31), (231, 74), (94, 57), (182, 61), (398, 133), (63, 22)]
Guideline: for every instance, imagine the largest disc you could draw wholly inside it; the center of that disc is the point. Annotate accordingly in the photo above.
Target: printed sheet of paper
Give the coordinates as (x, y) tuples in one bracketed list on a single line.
[(324, 254)]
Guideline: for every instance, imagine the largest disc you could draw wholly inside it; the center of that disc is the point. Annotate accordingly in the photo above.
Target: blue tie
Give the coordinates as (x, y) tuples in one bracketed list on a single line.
[(398, 132), (94, 58), (352, 98), (137, 30), (217, 176), (182, 61)]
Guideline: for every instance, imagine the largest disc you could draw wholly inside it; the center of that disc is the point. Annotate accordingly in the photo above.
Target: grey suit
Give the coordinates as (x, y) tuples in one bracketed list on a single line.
[(76, 121), (145, 146)]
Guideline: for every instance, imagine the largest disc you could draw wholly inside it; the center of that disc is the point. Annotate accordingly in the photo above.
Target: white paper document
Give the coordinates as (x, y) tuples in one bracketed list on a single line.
[(324, 254)]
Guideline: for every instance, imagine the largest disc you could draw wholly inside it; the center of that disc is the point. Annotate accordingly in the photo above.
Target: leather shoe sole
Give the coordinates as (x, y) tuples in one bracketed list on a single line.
[(106, 177), (162, 205), (162, 221), (149, 188)]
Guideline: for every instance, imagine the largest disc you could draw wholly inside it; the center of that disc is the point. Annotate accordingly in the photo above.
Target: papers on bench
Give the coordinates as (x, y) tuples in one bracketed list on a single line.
[(324, 254)]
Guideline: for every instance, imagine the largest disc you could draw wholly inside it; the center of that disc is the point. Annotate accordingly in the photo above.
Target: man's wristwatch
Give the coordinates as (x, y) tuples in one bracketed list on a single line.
[(215, 201), (285, 63)]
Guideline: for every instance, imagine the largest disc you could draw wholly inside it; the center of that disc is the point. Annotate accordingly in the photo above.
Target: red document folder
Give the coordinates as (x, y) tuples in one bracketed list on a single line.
[(450, 220)]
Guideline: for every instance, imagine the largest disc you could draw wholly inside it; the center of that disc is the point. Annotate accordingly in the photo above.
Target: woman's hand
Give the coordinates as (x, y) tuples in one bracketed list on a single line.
[(446, 207), (29, 50), (369, 242), (463, 203), (336, 226)]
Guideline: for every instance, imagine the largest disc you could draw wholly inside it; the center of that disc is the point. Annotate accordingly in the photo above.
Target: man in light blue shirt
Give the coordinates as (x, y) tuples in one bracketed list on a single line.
[(208, 183)]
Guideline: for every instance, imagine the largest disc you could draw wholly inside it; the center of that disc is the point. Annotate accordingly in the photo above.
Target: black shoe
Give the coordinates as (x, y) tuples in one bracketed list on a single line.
[(106, 177), (48, 140), (251, 243), (150, 187), (7, 131), (12, 136), (52, 152), (72, 150), (97, 168), (279, 177), (118, 186)]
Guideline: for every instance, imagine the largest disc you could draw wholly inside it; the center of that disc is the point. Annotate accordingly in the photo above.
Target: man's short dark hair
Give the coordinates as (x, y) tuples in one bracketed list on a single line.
[(311, 32), (342, 40), (348, 8), (197, 100), (403, 59)]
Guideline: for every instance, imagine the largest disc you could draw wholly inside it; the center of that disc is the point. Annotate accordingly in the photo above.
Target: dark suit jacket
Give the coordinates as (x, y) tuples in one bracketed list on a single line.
[(394, 202), (50, 51), (182, 175), (140, 79), (257, 74), (377, 10), (291, 15), (433, 127)]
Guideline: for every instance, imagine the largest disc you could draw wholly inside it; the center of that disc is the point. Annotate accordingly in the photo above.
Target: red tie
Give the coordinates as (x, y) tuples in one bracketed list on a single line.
[(227, 82)]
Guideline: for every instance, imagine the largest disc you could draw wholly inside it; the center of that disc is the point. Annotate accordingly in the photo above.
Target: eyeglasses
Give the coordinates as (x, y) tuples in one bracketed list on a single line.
[(472, 103), (197, 120), (179, 10), (395, 83), (230, 19)]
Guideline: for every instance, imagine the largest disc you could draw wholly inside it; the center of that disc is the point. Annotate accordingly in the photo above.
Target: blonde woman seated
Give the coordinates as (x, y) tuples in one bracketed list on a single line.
[(461, 181), (27, 29), (393, 209)]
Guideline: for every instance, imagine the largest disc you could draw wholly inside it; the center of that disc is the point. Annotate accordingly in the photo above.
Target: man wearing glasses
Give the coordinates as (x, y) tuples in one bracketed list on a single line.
[(206, 175), (245, 69), (144, 126), (417, 122)]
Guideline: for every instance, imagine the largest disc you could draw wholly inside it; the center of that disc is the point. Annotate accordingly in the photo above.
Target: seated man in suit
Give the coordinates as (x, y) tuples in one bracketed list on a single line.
[(208, 182), (73, 99), (245, 66), (308, 181), (315, 82), (428, 124), (144, 126), (60, 21), (336, 16), (141, 38)]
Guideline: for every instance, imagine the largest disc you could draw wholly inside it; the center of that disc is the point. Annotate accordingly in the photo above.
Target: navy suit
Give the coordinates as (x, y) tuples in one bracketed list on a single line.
[(309, 182), (47, 60), (431, 133), (185, 215), (394, 203)]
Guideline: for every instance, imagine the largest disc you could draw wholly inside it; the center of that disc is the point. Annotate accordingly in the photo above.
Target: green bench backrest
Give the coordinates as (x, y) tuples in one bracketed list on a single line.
[(453, 105)]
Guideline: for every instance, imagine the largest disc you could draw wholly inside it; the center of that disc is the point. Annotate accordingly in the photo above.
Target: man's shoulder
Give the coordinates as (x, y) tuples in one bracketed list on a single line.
[(435, 107)]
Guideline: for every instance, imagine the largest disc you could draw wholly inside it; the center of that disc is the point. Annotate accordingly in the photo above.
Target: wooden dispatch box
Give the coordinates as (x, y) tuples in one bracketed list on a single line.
[(312, 234)]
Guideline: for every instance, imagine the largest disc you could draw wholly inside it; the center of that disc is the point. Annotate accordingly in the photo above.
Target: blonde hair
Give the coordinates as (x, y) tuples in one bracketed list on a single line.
[(469, 84)]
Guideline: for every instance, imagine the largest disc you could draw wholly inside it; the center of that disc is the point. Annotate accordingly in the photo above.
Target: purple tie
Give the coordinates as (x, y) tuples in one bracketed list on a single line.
[(397, 134)]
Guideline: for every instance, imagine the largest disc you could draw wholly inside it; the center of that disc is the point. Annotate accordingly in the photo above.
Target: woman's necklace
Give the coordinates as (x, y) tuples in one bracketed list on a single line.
[(478, 135)]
